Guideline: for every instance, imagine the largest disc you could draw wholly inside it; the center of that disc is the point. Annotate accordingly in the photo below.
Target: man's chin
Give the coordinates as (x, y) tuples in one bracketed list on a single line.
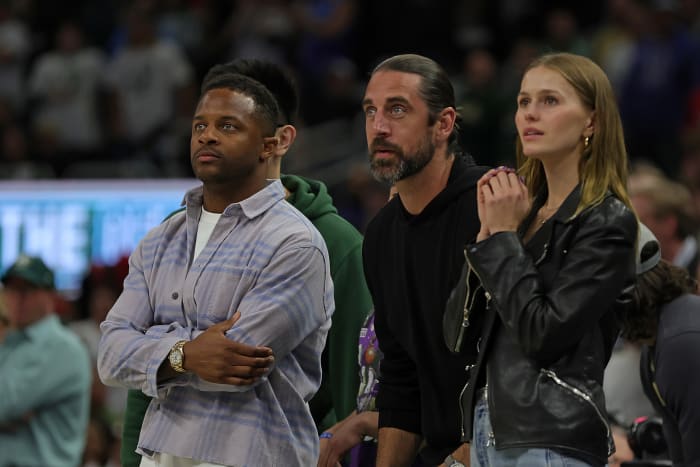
[(387, 176)]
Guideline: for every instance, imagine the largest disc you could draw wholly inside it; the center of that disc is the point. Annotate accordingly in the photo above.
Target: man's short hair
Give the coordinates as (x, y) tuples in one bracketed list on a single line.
[(274, 77), (266, 108)]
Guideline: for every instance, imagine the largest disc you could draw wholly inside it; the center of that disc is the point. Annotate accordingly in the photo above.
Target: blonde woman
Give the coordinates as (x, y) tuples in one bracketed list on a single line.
[(554, 254)]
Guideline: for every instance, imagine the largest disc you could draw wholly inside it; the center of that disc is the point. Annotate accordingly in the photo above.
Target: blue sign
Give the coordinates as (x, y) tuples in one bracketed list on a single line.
[(73, 224)]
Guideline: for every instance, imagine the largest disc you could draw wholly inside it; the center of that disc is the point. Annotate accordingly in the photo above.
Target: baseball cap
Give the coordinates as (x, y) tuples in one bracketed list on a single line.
[(33, 270), (648, 250)]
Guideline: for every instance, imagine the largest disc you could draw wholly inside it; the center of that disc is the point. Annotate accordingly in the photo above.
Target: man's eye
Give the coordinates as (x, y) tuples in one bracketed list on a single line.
[(398, 110), (370, 111), (199, 126), (228, 127)]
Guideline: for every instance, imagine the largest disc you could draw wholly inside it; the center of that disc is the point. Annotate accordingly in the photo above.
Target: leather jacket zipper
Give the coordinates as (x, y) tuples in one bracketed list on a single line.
[(545, 250), (490, 403), (465, 316), (487, 306), (468, 304), (468, 370), (588, 399)]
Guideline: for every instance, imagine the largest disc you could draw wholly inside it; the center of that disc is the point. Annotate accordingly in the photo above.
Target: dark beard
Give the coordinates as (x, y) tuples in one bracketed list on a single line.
[(391, 172)]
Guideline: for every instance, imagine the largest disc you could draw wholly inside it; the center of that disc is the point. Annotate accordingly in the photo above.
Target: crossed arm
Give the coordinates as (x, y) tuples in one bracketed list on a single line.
[(285, 305), (217, 359)]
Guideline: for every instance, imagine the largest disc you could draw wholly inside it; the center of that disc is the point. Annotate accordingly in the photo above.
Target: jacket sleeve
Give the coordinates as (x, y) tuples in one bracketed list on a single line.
[(594, 270)]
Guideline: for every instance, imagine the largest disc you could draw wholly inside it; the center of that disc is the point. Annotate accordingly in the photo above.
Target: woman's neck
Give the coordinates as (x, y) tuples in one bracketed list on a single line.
[(562, 177)]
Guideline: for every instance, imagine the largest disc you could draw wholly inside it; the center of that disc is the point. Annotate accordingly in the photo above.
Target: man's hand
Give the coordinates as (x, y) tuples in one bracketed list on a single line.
[(344, 435), (216, 359), (397, 447), (461, 455)]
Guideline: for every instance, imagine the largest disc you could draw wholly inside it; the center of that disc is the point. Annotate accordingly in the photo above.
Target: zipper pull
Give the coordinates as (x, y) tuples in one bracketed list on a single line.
[(492, 439)]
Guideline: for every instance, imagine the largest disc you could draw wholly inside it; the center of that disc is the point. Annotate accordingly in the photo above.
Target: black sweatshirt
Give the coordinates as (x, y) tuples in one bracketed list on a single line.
[(411, 265)]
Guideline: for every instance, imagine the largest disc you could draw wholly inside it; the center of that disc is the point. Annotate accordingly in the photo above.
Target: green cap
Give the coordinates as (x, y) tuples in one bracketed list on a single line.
[(33, 270)]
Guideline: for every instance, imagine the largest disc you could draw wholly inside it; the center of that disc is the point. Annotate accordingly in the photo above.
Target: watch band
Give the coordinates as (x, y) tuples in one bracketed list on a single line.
[(177, 357)]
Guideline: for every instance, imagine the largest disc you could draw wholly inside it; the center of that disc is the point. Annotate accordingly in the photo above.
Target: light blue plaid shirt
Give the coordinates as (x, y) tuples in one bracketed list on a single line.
[(265, 259)]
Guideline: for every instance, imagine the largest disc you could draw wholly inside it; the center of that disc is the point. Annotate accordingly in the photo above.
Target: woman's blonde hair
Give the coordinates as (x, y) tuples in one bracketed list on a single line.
[(603, 164)]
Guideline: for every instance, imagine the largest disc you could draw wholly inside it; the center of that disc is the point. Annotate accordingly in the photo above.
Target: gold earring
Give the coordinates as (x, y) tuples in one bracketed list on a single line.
[(586, 141)]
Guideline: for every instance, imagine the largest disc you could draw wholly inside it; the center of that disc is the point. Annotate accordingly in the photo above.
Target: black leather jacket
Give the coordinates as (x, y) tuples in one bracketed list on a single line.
[(550, 326)]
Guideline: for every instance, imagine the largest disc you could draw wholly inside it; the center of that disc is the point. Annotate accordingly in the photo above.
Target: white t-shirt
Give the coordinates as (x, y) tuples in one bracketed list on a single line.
[(207, 222)]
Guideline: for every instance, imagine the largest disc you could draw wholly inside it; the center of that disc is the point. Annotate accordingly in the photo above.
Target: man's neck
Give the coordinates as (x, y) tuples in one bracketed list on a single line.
[(274, 172), (274, 168), (418, 190)]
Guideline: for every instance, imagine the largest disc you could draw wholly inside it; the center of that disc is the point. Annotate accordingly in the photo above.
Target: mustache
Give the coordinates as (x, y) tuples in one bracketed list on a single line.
[(207, 150), (380, 144)]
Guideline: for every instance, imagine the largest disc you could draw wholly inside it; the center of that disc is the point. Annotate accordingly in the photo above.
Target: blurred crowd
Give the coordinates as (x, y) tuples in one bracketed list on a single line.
[(106, 89)]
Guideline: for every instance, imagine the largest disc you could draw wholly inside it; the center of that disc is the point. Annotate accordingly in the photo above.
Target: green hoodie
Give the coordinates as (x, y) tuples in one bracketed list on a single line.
[(336, 397)]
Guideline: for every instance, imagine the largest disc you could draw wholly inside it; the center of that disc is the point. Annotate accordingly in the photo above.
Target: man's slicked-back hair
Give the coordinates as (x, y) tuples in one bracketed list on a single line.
[(435, 89), (271, 75), (266, 109)]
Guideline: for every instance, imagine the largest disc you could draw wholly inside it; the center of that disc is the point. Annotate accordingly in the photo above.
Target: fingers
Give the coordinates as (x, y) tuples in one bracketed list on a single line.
[(228, 324), (236, 316), (324, 453), (497, 179), (236, 375), (503, 184), (249, 351), (328, 457), (235, 359), (246, 372)]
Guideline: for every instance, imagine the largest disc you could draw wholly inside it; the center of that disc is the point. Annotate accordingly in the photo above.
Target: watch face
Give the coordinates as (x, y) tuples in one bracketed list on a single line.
[(176, 358)]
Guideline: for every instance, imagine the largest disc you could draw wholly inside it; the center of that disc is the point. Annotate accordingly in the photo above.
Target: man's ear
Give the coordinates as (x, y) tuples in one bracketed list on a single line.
[(445, 123), (286, 134), (270, 144)]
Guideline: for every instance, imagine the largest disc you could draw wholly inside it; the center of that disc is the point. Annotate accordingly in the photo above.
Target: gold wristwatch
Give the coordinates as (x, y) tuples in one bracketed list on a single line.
[(177, 357)]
